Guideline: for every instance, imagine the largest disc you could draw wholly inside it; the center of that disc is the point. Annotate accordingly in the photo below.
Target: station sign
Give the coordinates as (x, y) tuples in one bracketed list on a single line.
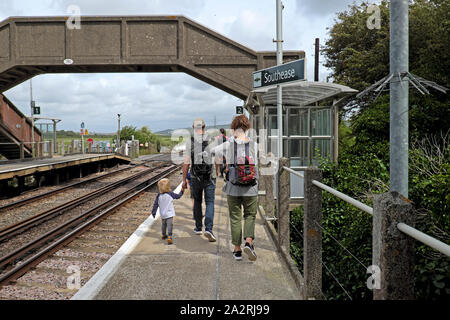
[(291, 71), (239, 110), (37, 110)]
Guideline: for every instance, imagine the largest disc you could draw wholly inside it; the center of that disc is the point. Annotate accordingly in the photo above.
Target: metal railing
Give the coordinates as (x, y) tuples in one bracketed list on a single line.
[(406, 229), (392, 236)]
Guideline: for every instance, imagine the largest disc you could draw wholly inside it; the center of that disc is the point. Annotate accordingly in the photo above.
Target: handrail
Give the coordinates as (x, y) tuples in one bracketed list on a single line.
[(424, 238), (406, 229), (338, 194)]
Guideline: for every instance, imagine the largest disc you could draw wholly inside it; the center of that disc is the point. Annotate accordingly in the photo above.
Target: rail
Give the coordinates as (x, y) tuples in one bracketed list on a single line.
[(410, 231), (392, 251)]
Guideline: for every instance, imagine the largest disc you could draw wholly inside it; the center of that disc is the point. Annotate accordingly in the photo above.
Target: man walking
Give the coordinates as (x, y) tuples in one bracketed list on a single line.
[(203, 177)]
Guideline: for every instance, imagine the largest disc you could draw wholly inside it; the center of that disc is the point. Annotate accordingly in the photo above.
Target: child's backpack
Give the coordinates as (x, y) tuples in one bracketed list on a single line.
[(243, 171), (200, 168)]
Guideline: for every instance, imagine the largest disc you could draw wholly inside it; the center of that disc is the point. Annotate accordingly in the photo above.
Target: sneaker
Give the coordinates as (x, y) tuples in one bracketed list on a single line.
[(237, 255), (210, 236), (197, 231), (169, 240), (250, 251), (163, 237)]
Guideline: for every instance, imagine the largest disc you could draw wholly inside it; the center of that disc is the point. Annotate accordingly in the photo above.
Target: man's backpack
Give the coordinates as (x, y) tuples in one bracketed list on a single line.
[(201, 166), (243, 171)]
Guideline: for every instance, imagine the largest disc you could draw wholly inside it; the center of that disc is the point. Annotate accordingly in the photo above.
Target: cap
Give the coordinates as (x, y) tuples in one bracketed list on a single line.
[(198, 122)]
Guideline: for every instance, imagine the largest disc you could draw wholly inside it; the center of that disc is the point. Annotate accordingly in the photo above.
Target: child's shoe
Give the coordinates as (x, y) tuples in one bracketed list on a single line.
[(163, 237), (169, 240)]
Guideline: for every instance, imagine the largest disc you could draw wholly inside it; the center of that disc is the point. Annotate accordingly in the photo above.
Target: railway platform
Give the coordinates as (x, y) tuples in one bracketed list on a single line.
[(147, 268), (54, 170)]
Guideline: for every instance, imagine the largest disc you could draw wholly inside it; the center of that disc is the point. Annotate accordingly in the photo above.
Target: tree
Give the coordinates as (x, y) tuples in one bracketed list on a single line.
[(359, 57), (127, 132)]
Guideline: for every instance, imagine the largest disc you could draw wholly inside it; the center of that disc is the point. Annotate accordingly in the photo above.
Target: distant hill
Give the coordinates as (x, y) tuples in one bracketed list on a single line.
[(168, 132)]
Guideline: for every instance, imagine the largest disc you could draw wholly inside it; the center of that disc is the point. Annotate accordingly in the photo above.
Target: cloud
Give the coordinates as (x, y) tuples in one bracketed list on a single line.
[(165, 100), (132, 7), (323, 7)]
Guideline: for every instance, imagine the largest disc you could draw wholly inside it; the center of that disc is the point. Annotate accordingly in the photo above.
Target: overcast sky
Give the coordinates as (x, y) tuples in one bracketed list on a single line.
[(166, 100)]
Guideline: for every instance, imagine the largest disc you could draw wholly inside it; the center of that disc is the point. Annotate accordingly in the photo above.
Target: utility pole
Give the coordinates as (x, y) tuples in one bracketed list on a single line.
[(118, 132), (316, 61), (399, 56), (279, 42)]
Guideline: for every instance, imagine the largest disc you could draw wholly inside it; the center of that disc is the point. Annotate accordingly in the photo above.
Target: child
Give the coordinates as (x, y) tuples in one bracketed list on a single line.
[(164, 200)]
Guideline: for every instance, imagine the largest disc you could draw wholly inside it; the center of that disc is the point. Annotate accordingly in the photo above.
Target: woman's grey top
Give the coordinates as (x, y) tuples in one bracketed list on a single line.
[(226, 150)]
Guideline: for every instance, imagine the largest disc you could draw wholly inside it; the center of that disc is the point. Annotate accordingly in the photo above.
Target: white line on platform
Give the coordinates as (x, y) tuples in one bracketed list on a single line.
[(92, 288)]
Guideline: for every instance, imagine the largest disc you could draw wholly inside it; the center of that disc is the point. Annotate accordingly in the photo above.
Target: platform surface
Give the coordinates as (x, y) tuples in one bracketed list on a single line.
[(193, 268), (20, 168)]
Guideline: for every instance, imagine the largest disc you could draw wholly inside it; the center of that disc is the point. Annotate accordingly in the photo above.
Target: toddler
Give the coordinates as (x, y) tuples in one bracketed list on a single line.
[(164, 200)]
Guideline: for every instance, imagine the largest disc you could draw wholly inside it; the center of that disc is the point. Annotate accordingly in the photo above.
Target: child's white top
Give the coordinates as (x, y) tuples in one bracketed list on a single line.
[(165, 203)]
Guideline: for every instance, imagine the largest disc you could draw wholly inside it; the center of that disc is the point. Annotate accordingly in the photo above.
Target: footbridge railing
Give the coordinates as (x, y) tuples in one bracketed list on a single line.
[(393, 235)]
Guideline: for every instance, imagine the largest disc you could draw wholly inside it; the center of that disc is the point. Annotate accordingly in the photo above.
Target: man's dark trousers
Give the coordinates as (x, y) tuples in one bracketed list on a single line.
[(199, 188)]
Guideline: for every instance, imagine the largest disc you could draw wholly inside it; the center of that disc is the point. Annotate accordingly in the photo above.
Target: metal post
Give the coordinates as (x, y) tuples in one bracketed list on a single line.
[(32, 119), (399, 97), (118, 132), (54, 136), (279, 42), (312, 235)]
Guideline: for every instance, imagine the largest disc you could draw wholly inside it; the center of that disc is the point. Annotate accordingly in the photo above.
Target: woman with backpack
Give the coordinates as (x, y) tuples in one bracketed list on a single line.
[(241, 185)]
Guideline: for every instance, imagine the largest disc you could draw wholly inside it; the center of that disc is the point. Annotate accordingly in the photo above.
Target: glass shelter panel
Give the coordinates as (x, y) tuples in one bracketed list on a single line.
[(307, 133), (321, 122)]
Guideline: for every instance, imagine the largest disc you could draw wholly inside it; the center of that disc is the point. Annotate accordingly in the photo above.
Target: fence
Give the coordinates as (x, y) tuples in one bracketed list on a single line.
[(392, 241), (40, 149), (75, 147)]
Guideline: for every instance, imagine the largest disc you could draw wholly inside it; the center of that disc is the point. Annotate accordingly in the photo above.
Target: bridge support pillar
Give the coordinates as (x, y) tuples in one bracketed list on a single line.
[(312, 235), (393, 251)]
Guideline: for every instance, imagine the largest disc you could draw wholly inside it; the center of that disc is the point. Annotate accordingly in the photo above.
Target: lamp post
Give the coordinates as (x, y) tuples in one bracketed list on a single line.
[(279, 42)]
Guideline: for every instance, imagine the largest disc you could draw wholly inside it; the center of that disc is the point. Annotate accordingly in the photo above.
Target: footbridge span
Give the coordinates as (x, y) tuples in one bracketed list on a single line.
[(31, 46)]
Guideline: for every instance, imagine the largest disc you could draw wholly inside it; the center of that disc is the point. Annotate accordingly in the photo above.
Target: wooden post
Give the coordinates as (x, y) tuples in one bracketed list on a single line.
[(283, 196), (268, 182), (312, 235), (22, 151), (393, 251), (50, 148)]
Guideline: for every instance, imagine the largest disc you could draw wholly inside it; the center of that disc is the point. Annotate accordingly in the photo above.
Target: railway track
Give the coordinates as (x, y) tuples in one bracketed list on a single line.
[(21, 202), (19, 260)]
